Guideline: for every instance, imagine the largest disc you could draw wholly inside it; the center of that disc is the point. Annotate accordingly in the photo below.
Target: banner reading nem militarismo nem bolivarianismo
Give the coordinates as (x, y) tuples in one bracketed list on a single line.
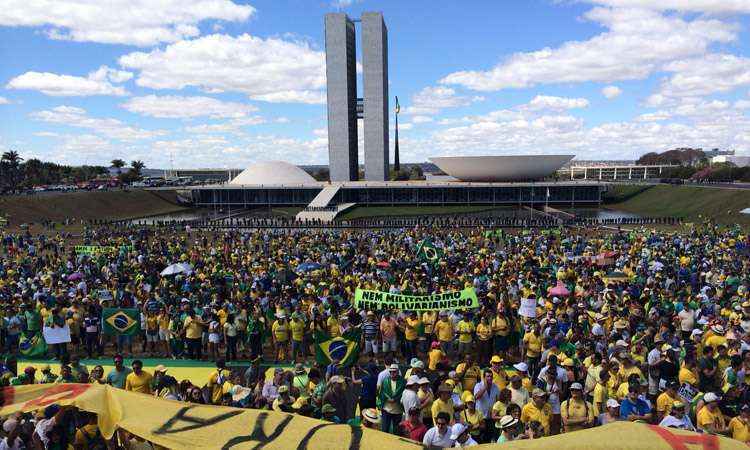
[(376, 300)]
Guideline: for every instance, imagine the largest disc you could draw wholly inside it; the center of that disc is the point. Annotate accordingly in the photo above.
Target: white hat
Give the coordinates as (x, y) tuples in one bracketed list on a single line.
[(412, 380), (576, 386), (10, 425), (393, 367), (696, 332), (718, 329), (621, 343), (612, 403), (424, 380), (521, 367), (506, 422), (457, 430), (710, 397)]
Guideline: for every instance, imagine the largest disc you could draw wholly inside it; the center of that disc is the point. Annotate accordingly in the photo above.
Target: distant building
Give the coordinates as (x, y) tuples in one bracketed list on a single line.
[(739, 161)]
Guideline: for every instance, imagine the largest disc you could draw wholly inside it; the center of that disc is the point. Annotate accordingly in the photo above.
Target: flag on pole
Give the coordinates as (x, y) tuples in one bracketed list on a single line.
[(427, 251), (117, 321), (344, 349), (33, 346)]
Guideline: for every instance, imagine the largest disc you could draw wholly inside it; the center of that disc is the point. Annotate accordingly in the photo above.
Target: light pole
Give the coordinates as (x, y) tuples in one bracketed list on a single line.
[(396, 162)]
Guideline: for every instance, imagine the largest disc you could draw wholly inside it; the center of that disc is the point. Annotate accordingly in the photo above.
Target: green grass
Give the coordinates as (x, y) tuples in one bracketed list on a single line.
[(359, 212), (688, 202), (288, 211)]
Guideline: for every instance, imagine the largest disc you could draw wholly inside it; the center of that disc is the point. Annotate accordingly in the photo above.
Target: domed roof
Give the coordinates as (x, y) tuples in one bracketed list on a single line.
[(500, 168), (273, 172)]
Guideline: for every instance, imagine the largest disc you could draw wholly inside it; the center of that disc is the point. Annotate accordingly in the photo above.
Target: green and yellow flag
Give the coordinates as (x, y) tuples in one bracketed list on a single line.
[(33, 346), (344, 349), (427, 251), (118, 321)]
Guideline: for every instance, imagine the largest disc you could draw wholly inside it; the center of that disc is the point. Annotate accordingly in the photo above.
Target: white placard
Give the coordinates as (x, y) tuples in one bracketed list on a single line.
[(528, 307), (56, 335)]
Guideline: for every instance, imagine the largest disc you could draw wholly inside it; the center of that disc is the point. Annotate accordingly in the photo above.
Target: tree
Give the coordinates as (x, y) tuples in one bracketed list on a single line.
[(137, 167), (12, 169), (118, 164)]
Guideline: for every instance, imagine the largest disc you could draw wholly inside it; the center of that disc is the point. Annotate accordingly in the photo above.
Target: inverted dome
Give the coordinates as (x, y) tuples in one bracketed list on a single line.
[(500, 168), (273, 172)]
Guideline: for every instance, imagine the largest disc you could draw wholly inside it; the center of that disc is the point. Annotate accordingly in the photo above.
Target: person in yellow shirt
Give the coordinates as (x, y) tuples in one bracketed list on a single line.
[(89, 436), (739, 427), (709, 418), (499, 377), (444, 332), (139, 380), (465, 329), (469, 373), (576, 412), (715, 338), (688, 372), (484, 340), (334, 328), (532, 343), (216, 381), (601, 393), (471, 416), (665, 400), (193, 326), (435, 356), (412, 324), (444, 402), (537, 410), (280, 334), (500, 331)]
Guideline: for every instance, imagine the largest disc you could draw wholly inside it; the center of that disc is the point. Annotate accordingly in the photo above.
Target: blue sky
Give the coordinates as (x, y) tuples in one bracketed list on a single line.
[(222, 83)]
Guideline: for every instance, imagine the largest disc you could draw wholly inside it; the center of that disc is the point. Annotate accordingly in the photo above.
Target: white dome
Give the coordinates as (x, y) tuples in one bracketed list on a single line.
[(273, 172)]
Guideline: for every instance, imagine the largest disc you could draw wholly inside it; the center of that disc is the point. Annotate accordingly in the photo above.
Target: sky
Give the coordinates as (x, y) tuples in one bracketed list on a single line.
[(224, 83)]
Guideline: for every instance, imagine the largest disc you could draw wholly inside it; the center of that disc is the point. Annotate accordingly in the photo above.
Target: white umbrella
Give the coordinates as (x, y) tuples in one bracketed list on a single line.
[(174, 269)]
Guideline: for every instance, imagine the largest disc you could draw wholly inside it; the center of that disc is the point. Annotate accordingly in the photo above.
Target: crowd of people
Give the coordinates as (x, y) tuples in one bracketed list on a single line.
[(644, 325)]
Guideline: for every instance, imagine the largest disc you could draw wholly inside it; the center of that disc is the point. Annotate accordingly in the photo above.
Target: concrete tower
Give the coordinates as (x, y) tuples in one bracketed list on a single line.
[(375, 62), (341, 74)]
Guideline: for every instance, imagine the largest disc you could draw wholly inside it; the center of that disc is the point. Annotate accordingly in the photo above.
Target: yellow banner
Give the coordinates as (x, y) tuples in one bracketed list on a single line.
[(180, 425)]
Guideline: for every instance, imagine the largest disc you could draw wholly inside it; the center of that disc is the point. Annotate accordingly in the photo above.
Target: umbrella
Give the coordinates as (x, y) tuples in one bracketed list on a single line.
[(174, 269), (75, 276), (559, 291), (308, 267)]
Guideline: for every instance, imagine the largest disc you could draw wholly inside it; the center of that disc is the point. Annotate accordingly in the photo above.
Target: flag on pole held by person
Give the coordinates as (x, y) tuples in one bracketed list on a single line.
[(427, 251), (344, 349), (33, 346), (117, 321)]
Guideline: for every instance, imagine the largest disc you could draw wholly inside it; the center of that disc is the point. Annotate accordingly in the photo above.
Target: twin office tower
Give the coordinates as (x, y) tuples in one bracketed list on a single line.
[(344, 107)]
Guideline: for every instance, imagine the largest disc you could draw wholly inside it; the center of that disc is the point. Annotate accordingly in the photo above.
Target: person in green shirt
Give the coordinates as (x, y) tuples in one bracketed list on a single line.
[(33, 319)]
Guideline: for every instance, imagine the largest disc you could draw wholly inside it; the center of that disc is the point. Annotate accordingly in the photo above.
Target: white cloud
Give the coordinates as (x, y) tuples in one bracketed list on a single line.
[(421, 119), (132, 22), (232, 126), (178, 107), (432, 100), (270, 69), (707, 6), (654, 117), (742, 104), (637, 43), (98, 82), (110, 128), (611, 92), (46, 134), (4, 101), (706, 75), (547, 102)]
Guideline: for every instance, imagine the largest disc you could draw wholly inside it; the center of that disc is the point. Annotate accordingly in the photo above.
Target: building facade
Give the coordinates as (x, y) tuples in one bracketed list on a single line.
[(375, 62)]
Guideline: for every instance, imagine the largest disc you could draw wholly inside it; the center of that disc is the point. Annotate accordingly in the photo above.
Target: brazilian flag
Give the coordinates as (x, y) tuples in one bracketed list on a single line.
[(33, 346), (117, 321), (344, 348), (427, 251)]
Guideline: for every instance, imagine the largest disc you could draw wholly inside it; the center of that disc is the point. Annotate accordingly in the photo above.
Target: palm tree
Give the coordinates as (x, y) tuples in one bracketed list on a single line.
[(118, 164), (137, 166)]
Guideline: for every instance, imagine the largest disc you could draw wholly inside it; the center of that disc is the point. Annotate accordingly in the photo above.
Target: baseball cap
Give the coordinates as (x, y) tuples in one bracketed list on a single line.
[(576, 386), (612, 403), (710, 397)]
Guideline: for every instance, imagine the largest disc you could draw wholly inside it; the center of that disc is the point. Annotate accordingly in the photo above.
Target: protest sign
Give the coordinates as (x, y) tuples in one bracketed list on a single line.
[(376, 301), (687, 393), (56, 335), (528, 307)]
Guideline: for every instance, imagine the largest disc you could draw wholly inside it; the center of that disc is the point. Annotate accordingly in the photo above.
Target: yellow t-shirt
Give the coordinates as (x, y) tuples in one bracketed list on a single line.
[(707, 418), (664, 403), (465, 331), (716, 340), (572, 409), (500, 378), (435, 356), (438, 406), (193, 329), (739, 429), (471, 375), (688, 376), (86, 434), (530, 413), (484, 332), (411, 332), (600, 396), (533, 344), (297, 327), (280, 331), (473, 420), (139, 383), (216, 386), (500, 326), (333, 327), (499, 409), (429, 318), (444, 330)]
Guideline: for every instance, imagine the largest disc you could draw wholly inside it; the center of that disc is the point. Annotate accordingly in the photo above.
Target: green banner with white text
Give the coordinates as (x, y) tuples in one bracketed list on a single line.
[(377, 301)]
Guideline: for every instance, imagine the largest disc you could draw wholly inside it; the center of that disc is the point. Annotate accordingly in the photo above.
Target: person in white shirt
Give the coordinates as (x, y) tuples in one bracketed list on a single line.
[(11, 441), (439, 435), (461, 437), (677, 418), (409, 398), (486, 393)]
